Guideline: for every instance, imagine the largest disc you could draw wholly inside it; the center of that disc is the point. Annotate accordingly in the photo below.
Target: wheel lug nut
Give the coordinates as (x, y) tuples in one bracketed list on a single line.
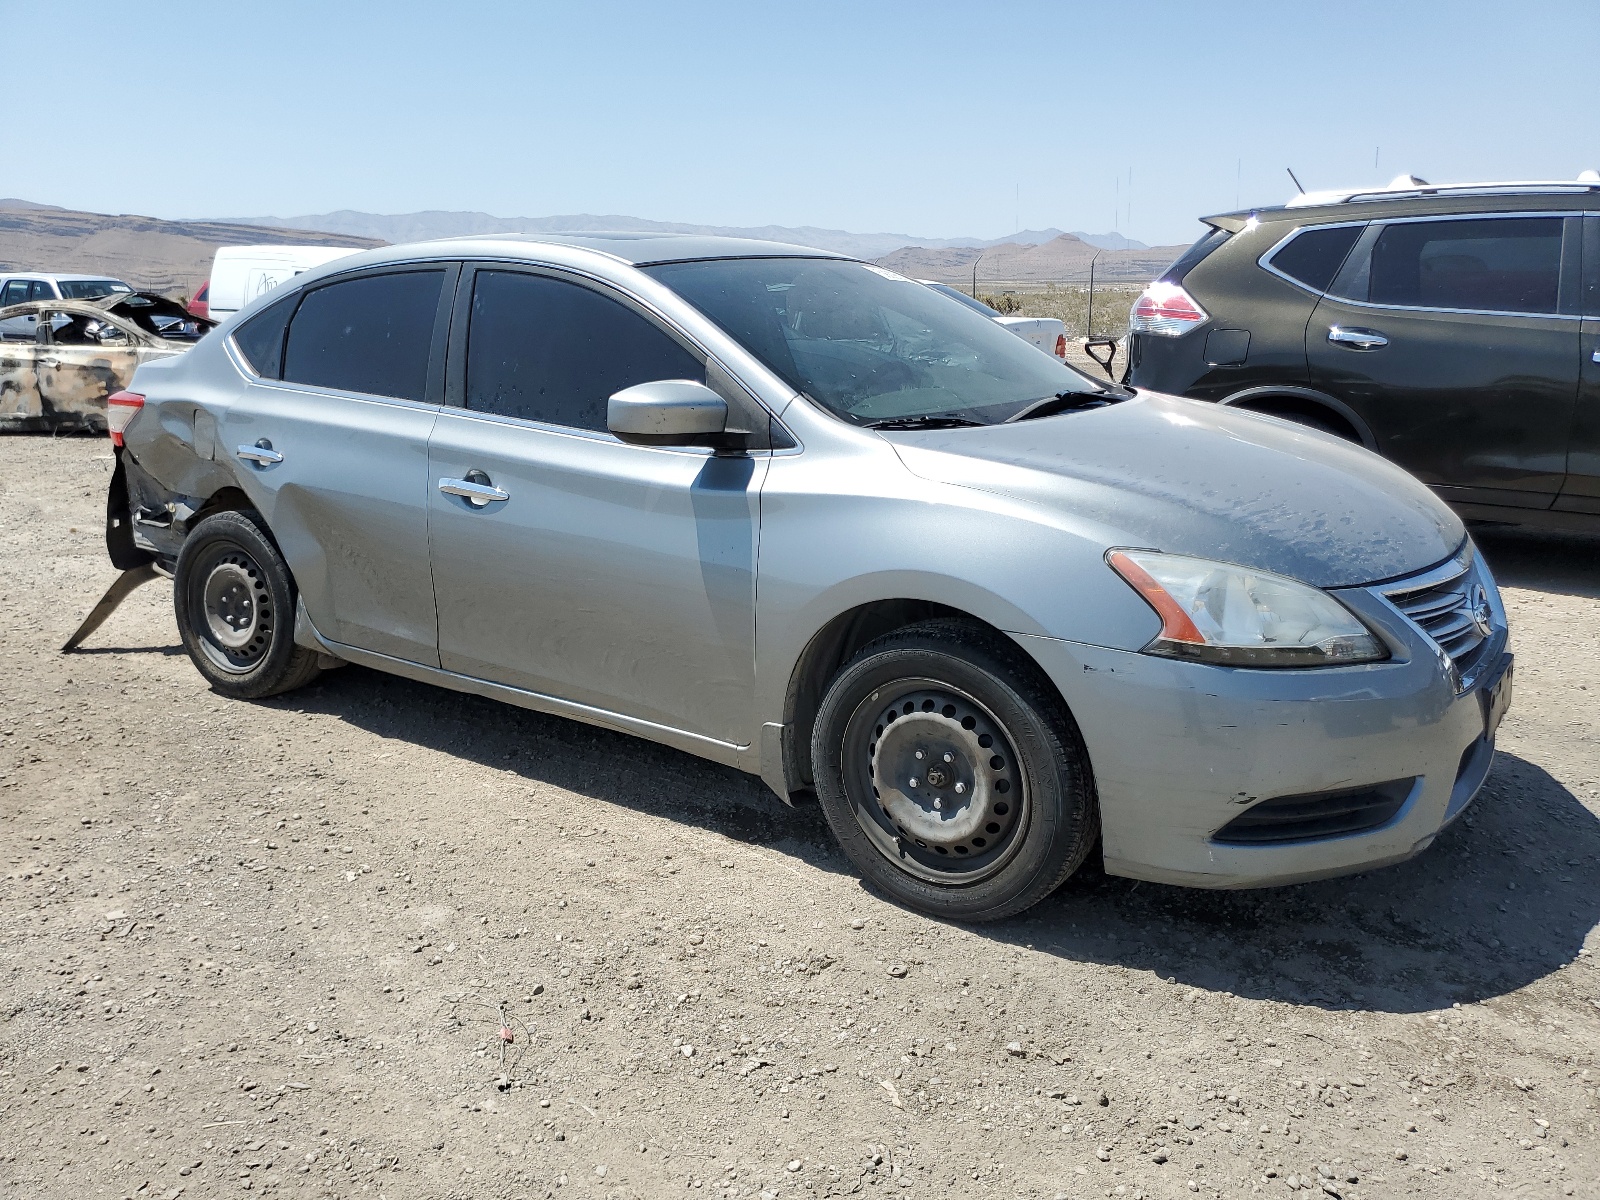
[(919, 754), (913, 781), (960, 788), (938, 804), (949, 758)]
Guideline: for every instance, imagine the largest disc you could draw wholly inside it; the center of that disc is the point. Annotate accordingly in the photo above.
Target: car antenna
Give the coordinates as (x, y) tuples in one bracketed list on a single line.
[(1296, 181)]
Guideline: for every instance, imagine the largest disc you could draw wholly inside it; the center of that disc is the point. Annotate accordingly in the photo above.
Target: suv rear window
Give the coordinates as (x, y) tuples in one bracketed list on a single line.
[(1195, 255), (1313, 256), (370, 335), (1489, 264)]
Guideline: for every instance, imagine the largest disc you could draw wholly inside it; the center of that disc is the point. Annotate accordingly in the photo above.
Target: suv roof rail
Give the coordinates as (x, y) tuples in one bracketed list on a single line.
[(1410, 185)]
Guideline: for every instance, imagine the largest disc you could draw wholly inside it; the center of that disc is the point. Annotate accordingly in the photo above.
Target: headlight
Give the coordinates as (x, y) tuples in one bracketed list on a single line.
[(1220, 613)]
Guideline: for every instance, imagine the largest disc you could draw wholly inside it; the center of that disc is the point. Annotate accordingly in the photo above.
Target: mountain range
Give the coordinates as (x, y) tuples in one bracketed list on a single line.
[(425, 226), (173, 257)]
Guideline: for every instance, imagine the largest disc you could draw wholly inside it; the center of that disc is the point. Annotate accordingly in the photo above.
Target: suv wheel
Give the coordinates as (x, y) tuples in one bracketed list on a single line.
[(234, 599), (951, 773)]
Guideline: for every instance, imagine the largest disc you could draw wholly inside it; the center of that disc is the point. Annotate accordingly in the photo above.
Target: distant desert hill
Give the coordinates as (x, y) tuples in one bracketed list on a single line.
[(425, 226), (173, 257), (1062, 258)]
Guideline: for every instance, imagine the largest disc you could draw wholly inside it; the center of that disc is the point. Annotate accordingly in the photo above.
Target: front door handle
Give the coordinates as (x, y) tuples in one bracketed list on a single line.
[(262, 454), (1357, 339), (49, 362), (474, 493)]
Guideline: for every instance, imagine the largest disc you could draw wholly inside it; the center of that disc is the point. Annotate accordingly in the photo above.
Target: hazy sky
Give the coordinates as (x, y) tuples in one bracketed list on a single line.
[(927, 118)]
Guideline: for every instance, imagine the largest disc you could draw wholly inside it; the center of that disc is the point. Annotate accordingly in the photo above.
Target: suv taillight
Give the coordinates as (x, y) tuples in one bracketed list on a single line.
[(1165, 309), (121, 407), (1061, 345)]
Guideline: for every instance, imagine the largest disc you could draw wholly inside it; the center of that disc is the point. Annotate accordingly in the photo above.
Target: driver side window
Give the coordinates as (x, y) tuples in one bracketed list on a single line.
[(77, 329), (543, 349)]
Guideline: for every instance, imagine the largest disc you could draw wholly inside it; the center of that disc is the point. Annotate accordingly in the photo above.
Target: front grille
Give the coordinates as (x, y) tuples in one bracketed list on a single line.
[(1451, 605), (1318, 815)]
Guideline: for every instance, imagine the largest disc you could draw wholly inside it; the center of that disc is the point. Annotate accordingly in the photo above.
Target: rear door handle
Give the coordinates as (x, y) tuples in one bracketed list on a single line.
[(476, 494), (1357, 339), (262, 454), (49, 362)]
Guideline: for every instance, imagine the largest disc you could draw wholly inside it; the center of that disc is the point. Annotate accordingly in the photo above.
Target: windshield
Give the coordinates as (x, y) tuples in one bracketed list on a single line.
[(90, 289), (870, 345)]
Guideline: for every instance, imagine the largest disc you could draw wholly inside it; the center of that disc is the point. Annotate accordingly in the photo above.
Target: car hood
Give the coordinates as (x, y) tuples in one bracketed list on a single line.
[(1188, 477)]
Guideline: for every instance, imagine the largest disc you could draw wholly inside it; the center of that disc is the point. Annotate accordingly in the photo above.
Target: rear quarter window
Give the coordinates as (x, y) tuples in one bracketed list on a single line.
[(260, 339), (1313, 256)]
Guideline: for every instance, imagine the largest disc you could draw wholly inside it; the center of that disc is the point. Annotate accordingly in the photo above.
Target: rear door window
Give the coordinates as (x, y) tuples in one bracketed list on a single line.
[(543, 349), (16, 292), (371, 334), (1488, 264), (1313, 256)]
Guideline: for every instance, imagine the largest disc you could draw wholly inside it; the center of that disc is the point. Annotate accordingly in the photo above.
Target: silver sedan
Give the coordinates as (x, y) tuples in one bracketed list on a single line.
[(800, 515)]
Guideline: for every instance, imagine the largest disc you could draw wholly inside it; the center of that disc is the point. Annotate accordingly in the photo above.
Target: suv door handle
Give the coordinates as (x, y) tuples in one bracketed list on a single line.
[(1357, 339), (262, 454), (475, 494)]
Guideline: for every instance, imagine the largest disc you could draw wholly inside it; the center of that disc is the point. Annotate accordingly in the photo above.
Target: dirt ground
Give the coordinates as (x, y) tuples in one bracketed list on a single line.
[(270, 948)]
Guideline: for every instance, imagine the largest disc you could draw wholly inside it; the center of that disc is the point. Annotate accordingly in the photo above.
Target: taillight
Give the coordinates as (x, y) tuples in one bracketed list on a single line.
[(121, 407), (1165, 309), (1061, 345)]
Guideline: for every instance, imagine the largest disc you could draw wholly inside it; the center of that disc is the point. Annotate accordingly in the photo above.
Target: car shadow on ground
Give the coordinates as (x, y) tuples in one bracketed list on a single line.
[(537, 748), (1502, 899), (1542, 561)]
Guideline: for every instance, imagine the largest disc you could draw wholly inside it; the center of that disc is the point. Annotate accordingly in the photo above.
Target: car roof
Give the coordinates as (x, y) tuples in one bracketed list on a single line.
[(636, 249), (1407, 195)]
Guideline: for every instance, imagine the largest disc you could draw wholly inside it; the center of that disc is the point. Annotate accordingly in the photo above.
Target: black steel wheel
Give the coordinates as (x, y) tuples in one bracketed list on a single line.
[(952, 774), (234, 599)]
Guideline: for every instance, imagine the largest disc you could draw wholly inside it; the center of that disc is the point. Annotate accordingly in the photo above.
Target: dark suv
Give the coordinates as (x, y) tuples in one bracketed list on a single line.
[(1453, 329)]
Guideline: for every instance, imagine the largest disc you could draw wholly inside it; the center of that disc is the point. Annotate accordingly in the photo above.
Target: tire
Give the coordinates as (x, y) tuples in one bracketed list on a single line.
[(235, 600), (1023, 817)]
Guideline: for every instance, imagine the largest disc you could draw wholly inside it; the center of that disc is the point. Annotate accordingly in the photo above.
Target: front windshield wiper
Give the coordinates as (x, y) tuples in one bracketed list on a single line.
[(925, 421), (1064, 401)]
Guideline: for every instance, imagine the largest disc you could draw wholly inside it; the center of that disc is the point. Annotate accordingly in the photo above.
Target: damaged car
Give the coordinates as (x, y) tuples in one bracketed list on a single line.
[(810, 519), (61, 359)]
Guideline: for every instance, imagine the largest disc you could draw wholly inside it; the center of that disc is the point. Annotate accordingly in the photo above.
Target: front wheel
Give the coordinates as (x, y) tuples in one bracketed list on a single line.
[(952, 774), (234, 599)]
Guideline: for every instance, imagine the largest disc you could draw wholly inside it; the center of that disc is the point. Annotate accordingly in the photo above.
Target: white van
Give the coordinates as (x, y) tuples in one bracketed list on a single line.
[(241, 273)]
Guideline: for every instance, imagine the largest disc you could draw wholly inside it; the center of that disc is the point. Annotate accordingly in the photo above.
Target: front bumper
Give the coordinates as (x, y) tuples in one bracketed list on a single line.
[(1180, 749)]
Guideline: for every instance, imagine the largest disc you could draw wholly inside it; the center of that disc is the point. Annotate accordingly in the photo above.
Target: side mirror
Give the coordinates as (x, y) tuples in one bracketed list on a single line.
[(667, 412)]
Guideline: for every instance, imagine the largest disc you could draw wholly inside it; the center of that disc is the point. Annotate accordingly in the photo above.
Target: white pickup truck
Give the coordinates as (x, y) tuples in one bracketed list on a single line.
[(1047, 333)]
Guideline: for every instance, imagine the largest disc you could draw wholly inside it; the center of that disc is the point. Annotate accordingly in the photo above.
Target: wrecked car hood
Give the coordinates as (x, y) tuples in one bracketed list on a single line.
[(1189, 477)]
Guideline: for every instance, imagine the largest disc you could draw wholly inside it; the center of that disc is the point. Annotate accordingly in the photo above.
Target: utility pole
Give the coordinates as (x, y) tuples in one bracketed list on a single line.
[(1089, 321)]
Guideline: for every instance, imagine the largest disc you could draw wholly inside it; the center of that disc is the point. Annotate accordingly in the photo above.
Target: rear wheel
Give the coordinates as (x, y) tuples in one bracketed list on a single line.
[(234, 599), (951, 773)]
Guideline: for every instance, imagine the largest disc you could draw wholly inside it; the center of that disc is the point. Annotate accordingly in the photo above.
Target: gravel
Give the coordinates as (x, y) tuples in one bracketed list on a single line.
[(218, 921)]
